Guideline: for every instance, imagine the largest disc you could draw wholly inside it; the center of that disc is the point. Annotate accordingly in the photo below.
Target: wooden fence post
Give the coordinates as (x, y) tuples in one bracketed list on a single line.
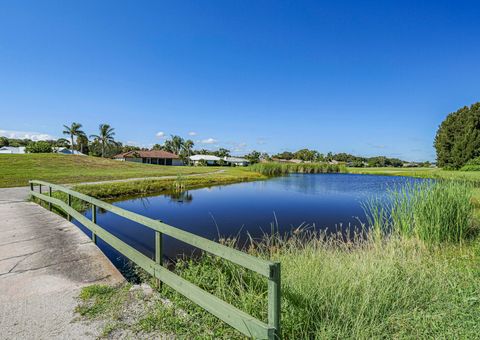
[(50, 194), (94, 220), (274, 298), (158, 253), (69, 202)]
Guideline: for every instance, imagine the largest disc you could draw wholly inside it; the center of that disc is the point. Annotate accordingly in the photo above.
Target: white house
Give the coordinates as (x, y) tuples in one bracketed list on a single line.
[(12, 149), (237, 161), (158, 157), (66, 151), (214, 160), (208, 159)]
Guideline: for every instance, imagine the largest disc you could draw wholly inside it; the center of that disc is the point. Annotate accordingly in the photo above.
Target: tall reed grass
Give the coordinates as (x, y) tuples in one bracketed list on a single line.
[(434, 212), (279, 169), (334, 289)]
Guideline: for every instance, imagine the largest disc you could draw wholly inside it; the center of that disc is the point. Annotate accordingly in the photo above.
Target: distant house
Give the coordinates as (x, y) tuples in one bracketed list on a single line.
[(159, 157), (207, 159), (237, 161), (12, 149), (67, 151)]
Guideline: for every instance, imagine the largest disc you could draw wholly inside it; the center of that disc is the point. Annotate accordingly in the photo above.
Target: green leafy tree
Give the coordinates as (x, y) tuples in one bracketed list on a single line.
[(285, 155), (174, 144), (105, 137), (187, 149), (39, 147), (82, 142), (307, 155), (222, 152), (253, 157), (4, 141), (73, 130), (62, 143), (458, 138)]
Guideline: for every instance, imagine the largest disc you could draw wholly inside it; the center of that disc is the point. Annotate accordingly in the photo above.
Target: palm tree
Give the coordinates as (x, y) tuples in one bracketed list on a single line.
[(105, 137), (174, 145), (188, 148), (73, 130), (82, 140)]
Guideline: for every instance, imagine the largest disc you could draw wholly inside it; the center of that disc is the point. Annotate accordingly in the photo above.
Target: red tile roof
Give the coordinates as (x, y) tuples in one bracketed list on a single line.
[(147, 154)]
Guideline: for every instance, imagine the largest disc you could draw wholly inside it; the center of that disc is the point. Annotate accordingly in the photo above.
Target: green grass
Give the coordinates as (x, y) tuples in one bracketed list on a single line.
[(437, 173), (279, 169), (146, 187), (397, 288), (330, 289), (17, 170), (433, 212), (100, 299)]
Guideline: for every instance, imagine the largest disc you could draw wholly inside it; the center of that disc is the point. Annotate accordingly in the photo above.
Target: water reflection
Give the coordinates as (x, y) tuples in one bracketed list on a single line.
[(326, 201)]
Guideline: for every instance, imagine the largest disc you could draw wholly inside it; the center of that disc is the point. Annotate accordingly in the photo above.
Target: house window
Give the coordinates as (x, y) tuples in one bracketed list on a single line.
[(169, 161)]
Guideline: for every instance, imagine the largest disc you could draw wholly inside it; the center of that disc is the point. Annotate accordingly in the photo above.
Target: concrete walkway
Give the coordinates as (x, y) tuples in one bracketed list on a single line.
[(44, 262)]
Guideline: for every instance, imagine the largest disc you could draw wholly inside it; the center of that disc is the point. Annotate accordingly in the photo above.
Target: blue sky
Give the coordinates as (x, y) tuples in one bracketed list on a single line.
[(365, 77)]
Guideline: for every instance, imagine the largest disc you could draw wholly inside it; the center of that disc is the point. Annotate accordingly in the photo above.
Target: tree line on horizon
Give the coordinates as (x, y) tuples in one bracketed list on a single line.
[(104, 144)]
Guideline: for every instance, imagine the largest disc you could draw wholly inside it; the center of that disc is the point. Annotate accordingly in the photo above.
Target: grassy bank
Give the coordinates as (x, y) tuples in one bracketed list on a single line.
[(471, 176), (17, 170), (279, 169), (180, 183), (398, 288), (399, 284)]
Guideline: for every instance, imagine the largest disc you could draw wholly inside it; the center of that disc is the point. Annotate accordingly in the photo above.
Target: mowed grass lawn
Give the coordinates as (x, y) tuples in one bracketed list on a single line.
[(17, 170)]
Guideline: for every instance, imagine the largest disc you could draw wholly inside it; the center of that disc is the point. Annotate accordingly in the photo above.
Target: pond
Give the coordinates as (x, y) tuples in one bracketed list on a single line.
[(320, 201)]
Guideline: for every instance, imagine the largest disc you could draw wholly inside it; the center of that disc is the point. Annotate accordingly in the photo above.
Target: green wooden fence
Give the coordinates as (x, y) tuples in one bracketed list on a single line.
[(238, 319)]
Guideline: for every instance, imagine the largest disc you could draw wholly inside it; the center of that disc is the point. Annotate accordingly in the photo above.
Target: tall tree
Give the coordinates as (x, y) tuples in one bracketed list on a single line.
[(82, 142), (188, 149), (105, 137), (174, 144), (222, 152), (73, 130), (458, 137)]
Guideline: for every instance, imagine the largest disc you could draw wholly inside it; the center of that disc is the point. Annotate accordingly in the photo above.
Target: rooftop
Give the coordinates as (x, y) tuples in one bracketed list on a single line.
[(147, 154)]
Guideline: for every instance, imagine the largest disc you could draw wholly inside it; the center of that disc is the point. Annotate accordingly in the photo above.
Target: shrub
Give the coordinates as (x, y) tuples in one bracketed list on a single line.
[(472, 165), (39, 147)]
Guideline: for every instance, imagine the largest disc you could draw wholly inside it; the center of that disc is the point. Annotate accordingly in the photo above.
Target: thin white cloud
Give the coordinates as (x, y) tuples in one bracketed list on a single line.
[(192, 133), (160, 134), (261, 141), (209, 141), (35, 136)]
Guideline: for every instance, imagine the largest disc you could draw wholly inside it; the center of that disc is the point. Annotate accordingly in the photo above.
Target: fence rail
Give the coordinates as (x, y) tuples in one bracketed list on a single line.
[(236, 318)]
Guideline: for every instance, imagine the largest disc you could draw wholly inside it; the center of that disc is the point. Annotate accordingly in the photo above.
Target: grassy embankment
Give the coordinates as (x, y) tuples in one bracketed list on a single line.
[(421, 279), (17, 170), (471, 176)]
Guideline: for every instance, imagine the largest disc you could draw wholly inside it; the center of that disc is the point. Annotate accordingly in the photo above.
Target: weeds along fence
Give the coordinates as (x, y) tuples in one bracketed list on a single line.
[(233, 316), (279, 169)]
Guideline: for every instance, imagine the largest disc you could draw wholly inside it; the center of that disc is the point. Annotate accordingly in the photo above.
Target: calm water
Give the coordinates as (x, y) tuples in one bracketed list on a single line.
[(322, 201)]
